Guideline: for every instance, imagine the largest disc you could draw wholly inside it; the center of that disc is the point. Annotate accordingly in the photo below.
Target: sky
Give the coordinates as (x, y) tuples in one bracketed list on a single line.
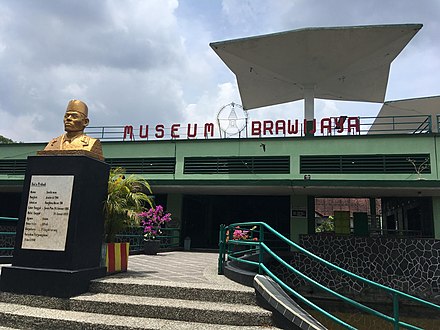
[(144, 62)]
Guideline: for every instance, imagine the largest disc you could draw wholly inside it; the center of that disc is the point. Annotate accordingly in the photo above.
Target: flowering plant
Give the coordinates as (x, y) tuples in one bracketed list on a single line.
[(241, 234), (153, 220)]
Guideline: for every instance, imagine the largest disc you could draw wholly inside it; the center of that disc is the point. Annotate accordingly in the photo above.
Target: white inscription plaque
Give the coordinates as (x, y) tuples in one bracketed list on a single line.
[(47, 213)]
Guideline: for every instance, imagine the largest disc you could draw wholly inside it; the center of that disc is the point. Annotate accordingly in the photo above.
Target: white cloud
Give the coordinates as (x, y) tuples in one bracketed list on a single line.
[(207, 107), (22, 128), (142, 62)]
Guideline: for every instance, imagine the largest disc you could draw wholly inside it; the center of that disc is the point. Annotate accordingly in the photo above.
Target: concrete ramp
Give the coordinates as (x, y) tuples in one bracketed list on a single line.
[(286, 312)]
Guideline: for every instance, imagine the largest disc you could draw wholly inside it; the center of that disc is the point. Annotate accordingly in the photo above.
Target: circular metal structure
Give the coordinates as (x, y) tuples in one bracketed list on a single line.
[(232, 119)]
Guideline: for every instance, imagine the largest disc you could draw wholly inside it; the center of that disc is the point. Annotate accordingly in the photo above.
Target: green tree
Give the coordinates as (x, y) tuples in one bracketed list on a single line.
[(127, 196), (5, 139), (327, 226)]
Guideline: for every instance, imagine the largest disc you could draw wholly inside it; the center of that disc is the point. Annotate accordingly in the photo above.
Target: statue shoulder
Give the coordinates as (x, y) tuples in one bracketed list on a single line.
[(87, 140), (94, 145), (57, 139), (55, 142)]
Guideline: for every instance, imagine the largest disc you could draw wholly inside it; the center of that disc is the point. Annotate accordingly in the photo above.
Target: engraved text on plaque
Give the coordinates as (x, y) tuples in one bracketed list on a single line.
[(47, 213)]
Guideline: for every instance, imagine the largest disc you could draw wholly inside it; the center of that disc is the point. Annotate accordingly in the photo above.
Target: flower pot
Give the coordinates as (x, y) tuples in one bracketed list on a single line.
[(151, 247), (116, 257)]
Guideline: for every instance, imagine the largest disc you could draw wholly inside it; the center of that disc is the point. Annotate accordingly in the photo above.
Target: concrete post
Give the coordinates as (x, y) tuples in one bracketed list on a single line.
[(174, 206), (298, 217), (436, 216)]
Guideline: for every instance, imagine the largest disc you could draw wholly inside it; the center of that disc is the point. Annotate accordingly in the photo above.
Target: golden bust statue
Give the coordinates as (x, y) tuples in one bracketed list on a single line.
[(74, 141)]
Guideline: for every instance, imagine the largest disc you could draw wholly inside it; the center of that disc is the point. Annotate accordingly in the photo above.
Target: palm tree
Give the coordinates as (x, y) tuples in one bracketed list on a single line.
[(127, 196)]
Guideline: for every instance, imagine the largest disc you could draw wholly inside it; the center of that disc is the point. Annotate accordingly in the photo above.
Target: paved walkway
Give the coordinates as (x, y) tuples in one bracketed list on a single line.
[(194, 268), (176, 266)]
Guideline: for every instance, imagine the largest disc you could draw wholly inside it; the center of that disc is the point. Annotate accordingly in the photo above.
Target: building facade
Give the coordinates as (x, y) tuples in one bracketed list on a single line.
[(208, 182)]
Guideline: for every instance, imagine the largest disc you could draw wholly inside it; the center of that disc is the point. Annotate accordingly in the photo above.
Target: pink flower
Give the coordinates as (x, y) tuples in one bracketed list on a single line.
[(240, 234), (153, 220)]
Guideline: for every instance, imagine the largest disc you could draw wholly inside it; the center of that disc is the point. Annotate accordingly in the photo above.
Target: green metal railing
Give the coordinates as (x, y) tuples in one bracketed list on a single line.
[(413, 124), (169, 238), (8, 219), (228, 251)]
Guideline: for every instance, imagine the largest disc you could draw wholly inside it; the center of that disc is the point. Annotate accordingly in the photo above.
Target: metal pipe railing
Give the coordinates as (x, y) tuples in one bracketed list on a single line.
[(8, 219), (261, 247), (413, 124), (167, 240), (164, 238)]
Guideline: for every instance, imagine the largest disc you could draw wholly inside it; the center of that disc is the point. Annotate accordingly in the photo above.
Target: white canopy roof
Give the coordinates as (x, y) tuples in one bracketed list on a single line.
[(413, 110), (340, 63)]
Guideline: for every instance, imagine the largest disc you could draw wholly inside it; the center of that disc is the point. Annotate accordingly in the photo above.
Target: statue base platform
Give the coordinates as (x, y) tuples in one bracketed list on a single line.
[(70, 153), (60, 228), (60, 283)]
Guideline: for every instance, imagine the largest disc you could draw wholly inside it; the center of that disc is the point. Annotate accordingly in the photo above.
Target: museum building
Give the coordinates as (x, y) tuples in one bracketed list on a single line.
[(205, 182), (283, 171)]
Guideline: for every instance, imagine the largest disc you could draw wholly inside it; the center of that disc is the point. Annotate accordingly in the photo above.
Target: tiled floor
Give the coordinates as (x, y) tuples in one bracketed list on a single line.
[(177, 266)]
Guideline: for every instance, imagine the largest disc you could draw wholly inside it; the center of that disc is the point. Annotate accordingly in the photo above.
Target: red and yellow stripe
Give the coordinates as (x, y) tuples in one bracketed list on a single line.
[(116, 257)]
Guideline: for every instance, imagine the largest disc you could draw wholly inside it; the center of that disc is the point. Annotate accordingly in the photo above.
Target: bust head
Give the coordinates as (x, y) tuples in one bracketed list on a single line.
[(74, 141), (75, 118)]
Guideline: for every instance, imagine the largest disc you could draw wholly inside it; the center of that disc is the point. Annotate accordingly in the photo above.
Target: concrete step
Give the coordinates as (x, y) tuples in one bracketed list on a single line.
[(239, 275), (14, 316), (134, 301), (232, 293), (104, 305), (36, 301), (172, 309)]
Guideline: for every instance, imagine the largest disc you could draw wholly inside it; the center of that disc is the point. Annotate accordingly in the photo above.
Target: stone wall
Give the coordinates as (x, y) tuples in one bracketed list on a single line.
[(409, 265), (6, 241)]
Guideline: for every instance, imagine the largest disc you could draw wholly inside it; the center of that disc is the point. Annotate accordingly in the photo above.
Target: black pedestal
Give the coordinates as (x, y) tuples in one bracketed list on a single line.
[(65, 268)]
